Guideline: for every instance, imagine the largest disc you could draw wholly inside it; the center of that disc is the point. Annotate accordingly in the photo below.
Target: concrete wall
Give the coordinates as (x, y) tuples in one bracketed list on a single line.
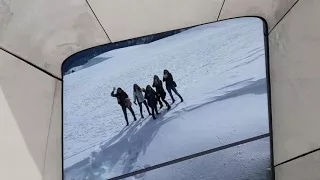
[(294, 55), (271, 10), (26, 97), (45, 32), (124, 19)]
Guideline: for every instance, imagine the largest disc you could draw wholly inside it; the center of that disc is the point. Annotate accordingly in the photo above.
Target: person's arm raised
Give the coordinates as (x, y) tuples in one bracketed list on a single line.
[(112, 93)]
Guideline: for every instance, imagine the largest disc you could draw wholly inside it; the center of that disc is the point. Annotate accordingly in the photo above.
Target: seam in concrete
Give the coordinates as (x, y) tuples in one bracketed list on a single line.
[(297, 157), (310, 152), (221, 9), (98, 21), (31, 64), (283, 17), (49, 128)]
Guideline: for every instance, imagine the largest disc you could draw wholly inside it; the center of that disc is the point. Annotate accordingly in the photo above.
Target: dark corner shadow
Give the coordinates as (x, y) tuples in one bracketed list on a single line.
[(130, 142)]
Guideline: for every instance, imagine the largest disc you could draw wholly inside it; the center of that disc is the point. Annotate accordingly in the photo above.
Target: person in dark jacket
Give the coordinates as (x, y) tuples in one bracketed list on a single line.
[(157, 83), (124, 102), (151, 96), (138, 96), (171, 85)]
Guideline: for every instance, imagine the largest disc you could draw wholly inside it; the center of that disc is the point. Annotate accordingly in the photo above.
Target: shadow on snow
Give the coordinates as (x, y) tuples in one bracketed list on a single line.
[(125, 148)]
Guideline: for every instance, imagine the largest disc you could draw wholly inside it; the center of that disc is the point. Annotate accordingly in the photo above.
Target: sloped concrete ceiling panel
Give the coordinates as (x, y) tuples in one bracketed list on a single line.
[(304, 168), (123, 19), (295, 81), (26, 97), (46, 32), (271, 10), (53, 162)]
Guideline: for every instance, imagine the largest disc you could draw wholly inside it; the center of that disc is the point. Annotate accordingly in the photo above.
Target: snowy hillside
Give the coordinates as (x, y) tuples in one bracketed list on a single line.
[(220, 72)]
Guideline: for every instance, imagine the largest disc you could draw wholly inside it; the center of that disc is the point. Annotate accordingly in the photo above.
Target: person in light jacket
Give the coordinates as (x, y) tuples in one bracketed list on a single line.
[(170, 85), (151, 96), (157, 83), (138, 96), (124, 102)]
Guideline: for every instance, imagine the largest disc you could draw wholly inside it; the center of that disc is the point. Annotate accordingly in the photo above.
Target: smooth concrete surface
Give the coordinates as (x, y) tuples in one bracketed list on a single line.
[(295, 81), (123, 19), (271, 10), (304, 168), (46, 32), (26, 97), (53, 161)]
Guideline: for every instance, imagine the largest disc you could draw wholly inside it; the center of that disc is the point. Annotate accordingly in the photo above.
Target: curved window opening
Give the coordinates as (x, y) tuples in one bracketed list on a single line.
[(192, 103)]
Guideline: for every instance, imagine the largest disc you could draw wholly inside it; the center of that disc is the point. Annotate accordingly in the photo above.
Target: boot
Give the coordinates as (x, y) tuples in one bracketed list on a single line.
[(127, 122), (169, 107), (157, 113)]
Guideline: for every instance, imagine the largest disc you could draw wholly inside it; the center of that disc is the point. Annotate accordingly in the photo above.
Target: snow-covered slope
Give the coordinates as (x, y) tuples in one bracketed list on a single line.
[(250, 161), (220, 72)]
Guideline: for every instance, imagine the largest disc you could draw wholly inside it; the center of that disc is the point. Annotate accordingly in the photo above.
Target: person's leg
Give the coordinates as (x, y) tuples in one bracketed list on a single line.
[(170, 93), (157, 111), (145, 103), (166, 102), (177, 93), (132, 112), (140, 106), (124, 110), (152, 109), (158, 99)]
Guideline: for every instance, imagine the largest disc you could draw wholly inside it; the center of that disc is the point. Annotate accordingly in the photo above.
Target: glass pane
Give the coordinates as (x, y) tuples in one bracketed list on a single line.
[(250, 161), (208, 84)]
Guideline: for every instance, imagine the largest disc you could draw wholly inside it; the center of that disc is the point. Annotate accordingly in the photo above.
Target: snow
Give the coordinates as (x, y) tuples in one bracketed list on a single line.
[(220, 72), (245, 165), (101, 58)]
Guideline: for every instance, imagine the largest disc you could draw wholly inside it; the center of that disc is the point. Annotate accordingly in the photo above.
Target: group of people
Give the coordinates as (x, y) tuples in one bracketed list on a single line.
[(150, 98)]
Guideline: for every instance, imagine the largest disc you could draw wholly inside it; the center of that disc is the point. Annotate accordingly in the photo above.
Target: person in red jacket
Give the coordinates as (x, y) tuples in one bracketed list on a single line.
[(124, 102)]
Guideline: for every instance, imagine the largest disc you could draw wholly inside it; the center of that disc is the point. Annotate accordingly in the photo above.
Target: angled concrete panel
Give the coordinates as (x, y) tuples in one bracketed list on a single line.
[(26, 97), (304, 168), (53, 162), (123, 19), (271, 10), (295, 81), (46, 32)]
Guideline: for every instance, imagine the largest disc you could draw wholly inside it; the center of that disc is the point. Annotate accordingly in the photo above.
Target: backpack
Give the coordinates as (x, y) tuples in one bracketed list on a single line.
[(127, 102), (174, 84)]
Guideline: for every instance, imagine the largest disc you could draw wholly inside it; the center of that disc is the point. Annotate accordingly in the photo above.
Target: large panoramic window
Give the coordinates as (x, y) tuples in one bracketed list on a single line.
[(185, 104)]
